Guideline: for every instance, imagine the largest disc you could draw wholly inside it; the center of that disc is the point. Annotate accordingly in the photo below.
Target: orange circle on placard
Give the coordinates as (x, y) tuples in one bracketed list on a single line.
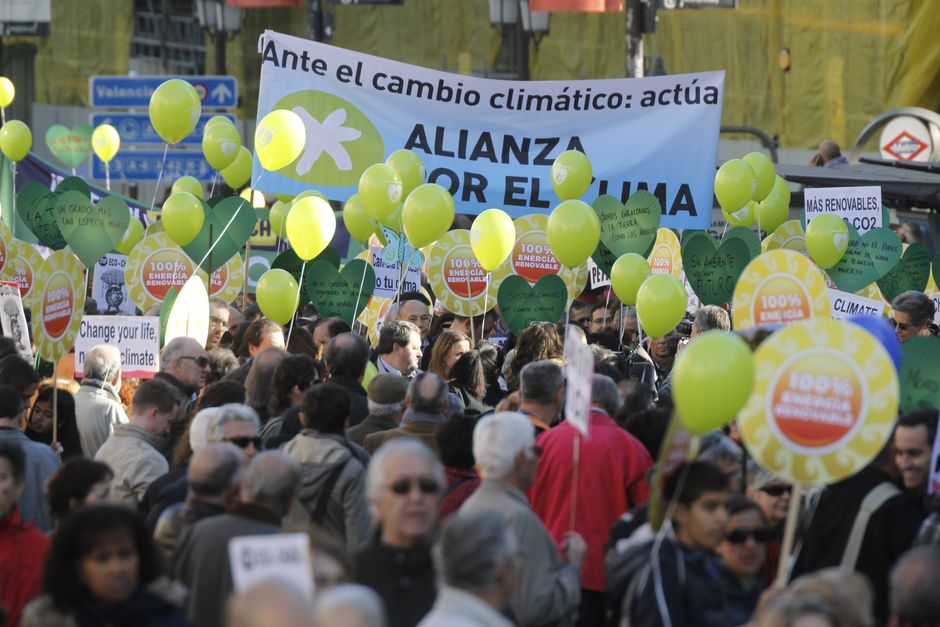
[(532, 258), (219, 279), (163, 269), (57, 304), (780, 299), (458, 262), (23, 273), (661, 260), (816, 399)]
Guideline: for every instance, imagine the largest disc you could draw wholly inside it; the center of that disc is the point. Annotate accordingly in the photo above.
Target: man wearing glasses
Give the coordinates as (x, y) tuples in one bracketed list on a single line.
[(913, 313), (184, 364), (404, 487), (218, 322)]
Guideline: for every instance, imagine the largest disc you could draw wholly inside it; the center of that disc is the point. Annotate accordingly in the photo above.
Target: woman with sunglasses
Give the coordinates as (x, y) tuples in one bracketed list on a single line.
[(913, 313), (743, 553)]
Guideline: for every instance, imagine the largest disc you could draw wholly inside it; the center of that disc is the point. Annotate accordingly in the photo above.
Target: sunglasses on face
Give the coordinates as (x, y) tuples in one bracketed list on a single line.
[(904, 326), (404, 486), (740, 536), (201, 361), (776, 490), (242, 441)]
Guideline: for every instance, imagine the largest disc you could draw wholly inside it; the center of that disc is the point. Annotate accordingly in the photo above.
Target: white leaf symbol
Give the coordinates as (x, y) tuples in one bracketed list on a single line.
[(327, 137)]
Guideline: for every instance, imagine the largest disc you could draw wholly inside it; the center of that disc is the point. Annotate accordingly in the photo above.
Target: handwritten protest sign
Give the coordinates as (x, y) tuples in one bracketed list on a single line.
[(868, 257), (343, 294), (284, 556), (712, 268), (138, 339), (521, 304), (860, 207)]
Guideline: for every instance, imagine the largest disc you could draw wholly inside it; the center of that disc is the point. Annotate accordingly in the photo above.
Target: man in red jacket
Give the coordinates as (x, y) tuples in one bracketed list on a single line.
[(611, 476), (22, 546)]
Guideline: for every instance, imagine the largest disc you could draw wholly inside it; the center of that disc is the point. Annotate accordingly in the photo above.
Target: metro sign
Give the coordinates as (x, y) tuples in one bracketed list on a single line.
[(905, 147)]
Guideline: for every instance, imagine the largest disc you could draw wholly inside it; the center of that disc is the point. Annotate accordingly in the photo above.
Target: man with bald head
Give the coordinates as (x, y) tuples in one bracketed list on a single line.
[(427, 403), (97, 404), (829, 155)]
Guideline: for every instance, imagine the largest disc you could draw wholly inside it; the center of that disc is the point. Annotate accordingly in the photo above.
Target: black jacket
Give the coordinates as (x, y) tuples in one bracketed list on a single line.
[(359, 408), (404, 579)]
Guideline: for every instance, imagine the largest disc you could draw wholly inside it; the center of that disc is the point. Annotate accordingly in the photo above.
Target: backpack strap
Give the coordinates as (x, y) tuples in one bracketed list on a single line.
[(454, 486), (872, 501)]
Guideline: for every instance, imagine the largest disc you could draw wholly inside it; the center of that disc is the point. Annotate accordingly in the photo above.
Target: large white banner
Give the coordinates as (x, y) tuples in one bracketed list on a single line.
[(491, 143)]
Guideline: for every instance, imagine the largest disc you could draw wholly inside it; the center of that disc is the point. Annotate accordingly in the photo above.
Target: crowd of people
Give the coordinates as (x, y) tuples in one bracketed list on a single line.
[(446, 490)]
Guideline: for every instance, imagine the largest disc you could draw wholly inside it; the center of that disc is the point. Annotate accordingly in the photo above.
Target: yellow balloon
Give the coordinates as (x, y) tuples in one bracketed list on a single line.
[(188, 184), (660, 304), (774, 210), (393, 220), (15, 140), (238, 173), (285, 197), (279, 139), (175, 108), (764, 173), (571, 174), (277, 294), (735, 183), (492, 237), (573, 232), (220, 144), (310, 226), (132, 236), (357, 222), (628, 273), (255, 197), (380, 189), (106, 142), (743, 216), (279, 216), (427, 214), (409, 167), (311, 193), (182, 216), (218, 119), (7, 91)]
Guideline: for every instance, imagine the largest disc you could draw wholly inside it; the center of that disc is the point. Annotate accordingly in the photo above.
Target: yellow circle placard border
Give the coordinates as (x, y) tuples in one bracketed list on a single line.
[(778, 262), (23, 253), (235, 279), (132, 271), (786, 233), (574, 278), (462, 306), (67, 263), (866, 440), (666, 238)]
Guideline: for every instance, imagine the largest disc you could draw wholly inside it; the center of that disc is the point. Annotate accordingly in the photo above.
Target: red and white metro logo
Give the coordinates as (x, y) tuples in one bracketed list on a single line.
[(904, 147)]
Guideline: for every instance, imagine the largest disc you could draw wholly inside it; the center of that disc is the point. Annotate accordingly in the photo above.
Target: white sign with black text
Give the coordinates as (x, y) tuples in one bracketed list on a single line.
[(845, 305), (387, 276), (579, 371), (284, 556), (137, 337), (108, 288), (859, 206), (598, 278)]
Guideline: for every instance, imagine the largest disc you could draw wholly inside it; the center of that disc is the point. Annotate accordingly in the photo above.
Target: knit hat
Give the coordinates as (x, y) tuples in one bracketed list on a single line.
[(386, 389)]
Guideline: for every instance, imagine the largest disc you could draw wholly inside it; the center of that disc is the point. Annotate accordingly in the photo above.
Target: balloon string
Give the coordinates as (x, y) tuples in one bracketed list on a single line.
[(107, 175), (217, 239), (365, 267), (156, 188), (13, 169), (486, 295), (215, 179), (303, 266)]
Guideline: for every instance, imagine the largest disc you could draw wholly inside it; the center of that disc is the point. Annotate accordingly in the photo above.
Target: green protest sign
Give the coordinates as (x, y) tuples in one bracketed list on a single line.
[(920, 373), (343, 294), (868, 258), (233, 212), (288, 260), (603, 258), (713, 269), (70, 145), (911, 273), (91, 231), (521, 304), (35, 206), (629, 228), (73, 184), (747, 236)]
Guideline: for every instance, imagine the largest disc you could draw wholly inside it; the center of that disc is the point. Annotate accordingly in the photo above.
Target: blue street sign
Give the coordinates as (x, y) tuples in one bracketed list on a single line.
[(135, 128), (216, 92), (144, 165)]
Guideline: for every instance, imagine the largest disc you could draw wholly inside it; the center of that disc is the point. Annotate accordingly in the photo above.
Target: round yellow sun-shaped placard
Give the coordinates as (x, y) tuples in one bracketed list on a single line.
[(154, 266), (779, 287), (228, 280), (456, 277), (60, 286), (666, 255), (23, 263), (824, 402), (532, 258), (6, 245), (788, 235)]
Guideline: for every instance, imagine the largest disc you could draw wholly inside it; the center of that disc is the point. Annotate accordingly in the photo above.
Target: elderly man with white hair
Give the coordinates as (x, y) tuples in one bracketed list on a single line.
[(404, 483), (476, 558), (97, 404), (548, 590), (349, 605)]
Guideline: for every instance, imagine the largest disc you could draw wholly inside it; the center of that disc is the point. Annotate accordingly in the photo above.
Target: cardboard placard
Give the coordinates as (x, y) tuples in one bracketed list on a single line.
[(860, 207), (108, 287), (579, 373), (137, 337), (283, 556), (846, 305), (13, 318)]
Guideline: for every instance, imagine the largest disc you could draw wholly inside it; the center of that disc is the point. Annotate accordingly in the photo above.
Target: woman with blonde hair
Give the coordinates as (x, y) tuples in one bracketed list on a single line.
[(448, 348)]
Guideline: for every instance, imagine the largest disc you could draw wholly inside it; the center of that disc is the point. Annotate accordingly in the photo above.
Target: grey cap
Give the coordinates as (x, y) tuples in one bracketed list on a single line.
[(387, 389)]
